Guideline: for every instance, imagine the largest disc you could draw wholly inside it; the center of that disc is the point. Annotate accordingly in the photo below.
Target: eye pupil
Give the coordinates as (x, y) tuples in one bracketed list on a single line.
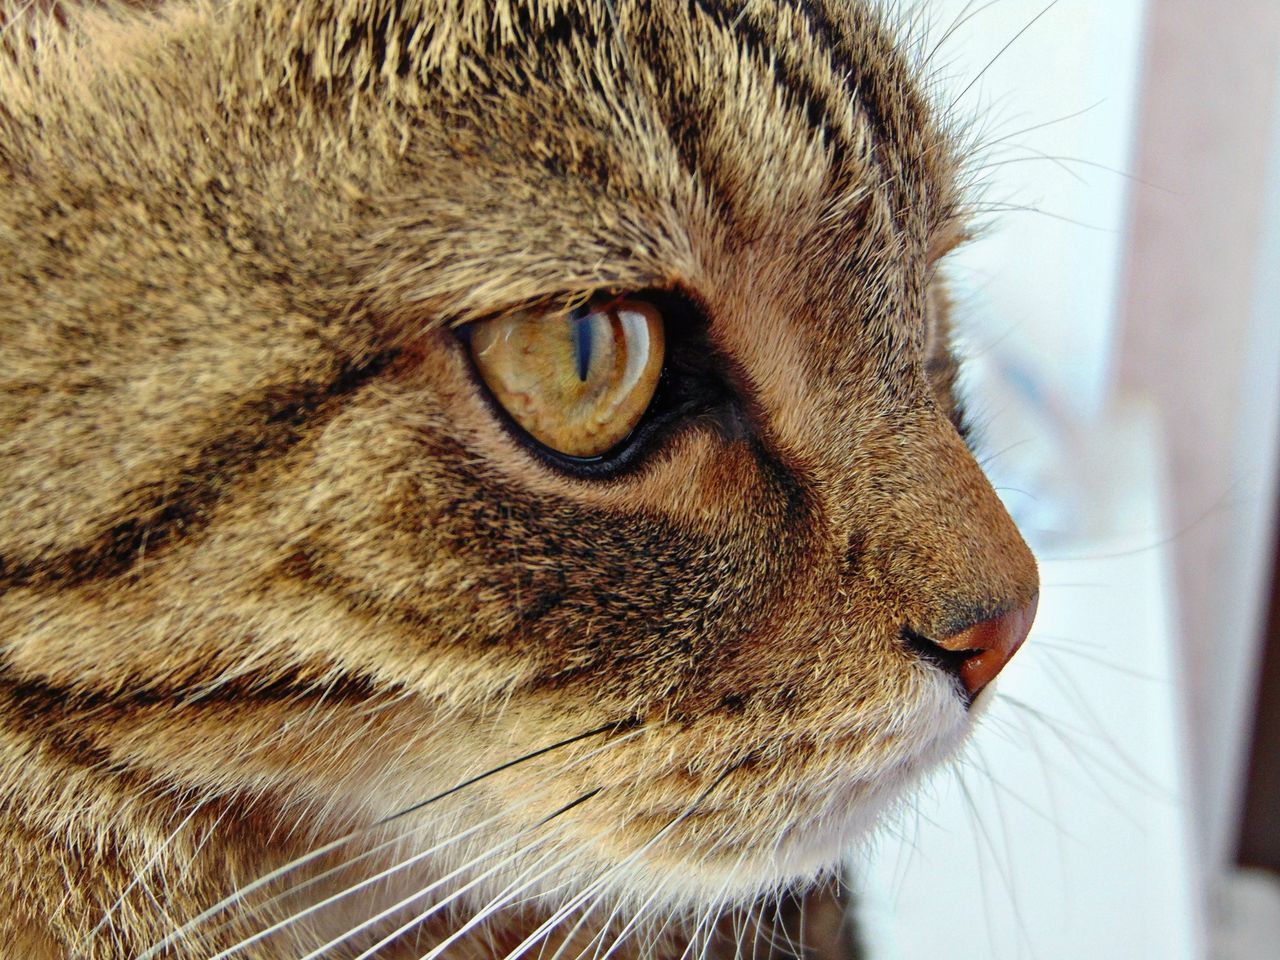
[(582, 333)]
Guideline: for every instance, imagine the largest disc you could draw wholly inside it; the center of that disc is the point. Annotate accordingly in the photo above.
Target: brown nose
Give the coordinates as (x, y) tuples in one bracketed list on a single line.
[(979, 652)]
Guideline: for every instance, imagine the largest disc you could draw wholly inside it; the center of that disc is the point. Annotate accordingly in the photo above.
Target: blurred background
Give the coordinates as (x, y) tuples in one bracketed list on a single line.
[(1121, 316)]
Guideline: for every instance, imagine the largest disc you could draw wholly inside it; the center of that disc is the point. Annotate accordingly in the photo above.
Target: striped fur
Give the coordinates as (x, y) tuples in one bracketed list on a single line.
[(270, 567)]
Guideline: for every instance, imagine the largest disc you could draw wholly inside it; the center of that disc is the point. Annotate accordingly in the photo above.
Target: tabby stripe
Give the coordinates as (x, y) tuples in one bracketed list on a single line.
[(687, 112), (267, 427), (682, 127), (54, 700), (307, 566), (62, 718), (372, 48), (865, 89), (890, 98), (789, 76), (29, 710)]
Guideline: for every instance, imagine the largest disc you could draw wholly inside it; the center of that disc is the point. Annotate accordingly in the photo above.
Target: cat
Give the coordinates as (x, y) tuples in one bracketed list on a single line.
[(476, 478)]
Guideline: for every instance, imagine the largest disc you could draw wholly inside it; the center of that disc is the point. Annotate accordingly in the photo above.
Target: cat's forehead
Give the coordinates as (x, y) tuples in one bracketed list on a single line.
[(622, 144)]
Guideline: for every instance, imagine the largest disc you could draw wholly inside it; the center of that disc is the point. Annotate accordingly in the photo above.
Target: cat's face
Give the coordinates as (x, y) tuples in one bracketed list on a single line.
[(284, 485)]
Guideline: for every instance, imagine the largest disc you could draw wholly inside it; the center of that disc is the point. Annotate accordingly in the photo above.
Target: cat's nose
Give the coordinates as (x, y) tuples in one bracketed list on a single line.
[(978, 652)]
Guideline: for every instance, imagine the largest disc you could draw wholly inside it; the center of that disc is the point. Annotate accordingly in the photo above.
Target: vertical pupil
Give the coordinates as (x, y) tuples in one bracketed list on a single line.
[(582, 331)]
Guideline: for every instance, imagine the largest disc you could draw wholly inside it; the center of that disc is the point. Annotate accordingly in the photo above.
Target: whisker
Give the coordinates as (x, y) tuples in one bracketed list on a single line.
[(1055, 805), (138, 878), (418, 920), (985, 146), (691, 951), (717, 910), (1050, 819), (1062, 163), (586, 914), (666, 923), (502, 900), (1068, 686), (737, 923), (755, 928), (1011, 891), (984, 208), (967, 13), (599, 939), (741, 929), (368, 881), (602, 880), (774, 937), (1003, 50), (1090, 762), (631, 924), (164, 909), (240, 894), (1036, 155), (568, 937), (779, 929), (397, 907), (983, 842), (1054, 647), (1211, 512), (400, 838)]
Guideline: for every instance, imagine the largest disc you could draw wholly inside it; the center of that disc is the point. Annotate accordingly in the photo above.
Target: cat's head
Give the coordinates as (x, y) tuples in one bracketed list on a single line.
[(295, 501)]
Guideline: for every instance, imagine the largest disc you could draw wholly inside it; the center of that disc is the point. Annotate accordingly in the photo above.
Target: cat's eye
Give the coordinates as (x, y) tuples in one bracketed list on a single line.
[(577, 381)]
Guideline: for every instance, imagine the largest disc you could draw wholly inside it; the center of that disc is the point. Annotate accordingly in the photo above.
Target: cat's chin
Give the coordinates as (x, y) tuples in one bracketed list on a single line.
[(756, 861), (839, 821), (771, 839)]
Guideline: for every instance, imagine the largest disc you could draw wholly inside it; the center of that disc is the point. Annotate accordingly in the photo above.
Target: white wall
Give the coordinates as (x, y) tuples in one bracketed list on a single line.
[(1056, 111), (1201, 334)]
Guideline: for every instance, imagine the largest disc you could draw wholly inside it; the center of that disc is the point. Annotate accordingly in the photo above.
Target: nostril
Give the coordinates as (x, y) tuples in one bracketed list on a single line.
[(977, 653), (928, 650)]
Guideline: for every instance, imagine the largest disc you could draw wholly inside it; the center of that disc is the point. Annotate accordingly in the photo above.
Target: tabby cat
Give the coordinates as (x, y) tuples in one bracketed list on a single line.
[(478, 478)]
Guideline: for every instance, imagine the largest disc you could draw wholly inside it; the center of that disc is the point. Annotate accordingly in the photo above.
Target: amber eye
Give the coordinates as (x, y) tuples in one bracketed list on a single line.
[(578, 381)]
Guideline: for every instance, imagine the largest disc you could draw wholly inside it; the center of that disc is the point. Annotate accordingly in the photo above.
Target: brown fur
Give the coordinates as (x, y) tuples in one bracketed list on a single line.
[(272, 569)]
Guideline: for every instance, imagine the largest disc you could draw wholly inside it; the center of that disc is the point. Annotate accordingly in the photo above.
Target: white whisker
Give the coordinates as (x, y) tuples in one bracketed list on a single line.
[(138, 878), (435, 885), (501, 901), (400, 838), (603, 879), (240, 894), (636, 918)]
